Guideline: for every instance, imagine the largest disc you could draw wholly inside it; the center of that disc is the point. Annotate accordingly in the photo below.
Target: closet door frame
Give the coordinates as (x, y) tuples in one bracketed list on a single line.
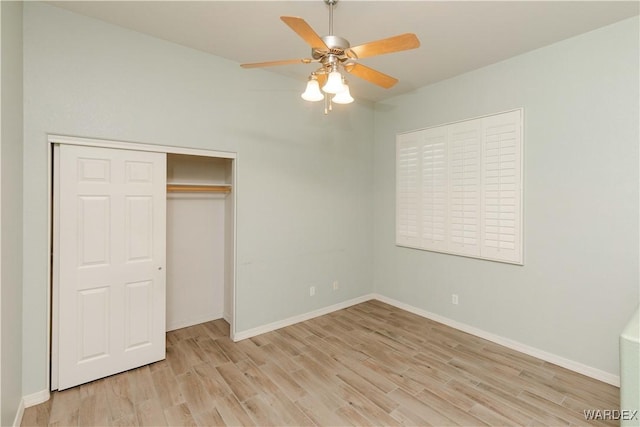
[(54, 140)]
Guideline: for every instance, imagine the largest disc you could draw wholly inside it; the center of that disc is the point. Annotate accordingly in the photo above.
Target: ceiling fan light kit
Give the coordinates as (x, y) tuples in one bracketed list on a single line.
[(343, 97), (335, 55), (312, 92)]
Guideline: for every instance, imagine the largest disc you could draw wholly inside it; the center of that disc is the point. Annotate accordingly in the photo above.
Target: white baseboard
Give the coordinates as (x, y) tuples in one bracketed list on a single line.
[(18, 419), (36, 398), (27, 402), (183, 323), (572, 365), (243, 335)]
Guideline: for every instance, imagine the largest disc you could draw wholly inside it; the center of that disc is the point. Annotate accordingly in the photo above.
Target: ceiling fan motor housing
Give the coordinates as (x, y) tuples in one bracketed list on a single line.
[(337, 46)]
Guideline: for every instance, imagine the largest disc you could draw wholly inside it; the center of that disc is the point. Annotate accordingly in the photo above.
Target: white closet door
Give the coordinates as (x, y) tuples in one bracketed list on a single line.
[(111, 261)]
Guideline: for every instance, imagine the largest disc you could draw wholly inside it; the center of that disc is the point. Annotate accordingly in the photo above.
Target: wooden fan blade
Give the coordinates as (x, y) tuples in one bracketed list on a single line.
[(305, 31), (274, 63), (392, 44), (371, 75)]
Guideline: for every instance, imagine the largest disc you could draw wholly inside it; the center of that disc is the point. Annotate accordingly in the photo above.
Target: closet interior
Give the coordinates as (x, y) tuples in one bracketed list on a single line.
[(199, 251)]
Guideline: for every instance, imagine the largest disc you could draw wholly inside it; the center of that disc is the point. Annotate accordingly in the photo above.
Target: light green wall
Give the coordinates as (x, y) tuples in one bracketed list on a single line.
[(579, 284), (10, 209), (304, 180)]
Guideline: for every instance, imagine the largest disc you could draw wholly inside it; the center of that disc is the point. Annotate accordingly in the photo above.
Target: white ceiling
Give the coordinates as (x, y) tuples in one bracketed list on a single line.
[(455, 36)]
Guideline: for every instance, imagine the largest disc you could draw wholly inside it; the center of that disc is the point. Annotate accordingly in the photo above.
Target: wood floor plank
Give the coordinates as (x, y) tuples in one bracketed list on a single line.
[(287, 384), (253, 352), (64, 409), (366, 388), (495, 405), (371, 374), (353, 417), (232, 412), (94, 407), (406, 417), (37, 415), (213, 351), (318, 390), (120, 397), (276, 355), (398, 379), (236, 381), (217, 328), (230, 349), (319, 413), (209, 418), (150, 413), (490, 417), (193, 352), (417, 406), (450, 392), (261, 412), (533, 411), (450, 411), (578, 406), (361, 403), (291, 413), (142, 387), (369, 364), (212, 381), (177, 359), (195, 394), (166, 387), (179, 415), (570, 416)]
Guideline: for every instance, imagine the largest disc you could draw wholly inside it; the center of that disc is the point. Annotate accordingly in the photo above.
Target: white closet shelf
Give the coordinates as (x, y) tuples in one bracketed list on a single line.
[(196, 188)]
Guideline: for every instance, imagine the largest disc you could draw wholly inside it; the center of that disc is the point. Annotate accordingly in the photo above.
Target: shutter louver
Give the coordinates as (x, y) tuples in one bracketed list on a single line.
[(434, 189), (459, 188), (407, 192), (464, 188), (501, 186)]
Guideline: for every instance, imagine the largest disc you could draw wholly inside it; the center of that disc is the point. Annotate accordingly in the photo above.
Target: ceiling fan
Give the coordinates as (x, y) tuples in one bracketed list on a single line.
[(335, 53)]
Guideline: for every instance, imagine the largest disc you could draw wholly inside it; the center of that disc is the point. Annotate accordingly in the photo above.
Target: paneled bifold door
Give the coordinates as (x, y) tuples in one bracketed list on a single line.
[(111, 261), (459, 188)]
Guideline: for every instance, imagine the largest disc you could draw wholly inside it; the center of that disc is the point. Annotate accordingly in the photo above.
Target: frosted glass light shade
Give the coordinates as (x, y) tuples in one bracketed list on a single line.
[(312, 92), (343, 97), (334, 83)]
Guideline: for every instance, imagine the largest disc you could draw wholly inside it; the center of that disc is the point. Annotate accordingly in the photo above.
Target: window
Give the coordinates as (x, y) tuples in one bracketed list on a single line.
[(459, 188)]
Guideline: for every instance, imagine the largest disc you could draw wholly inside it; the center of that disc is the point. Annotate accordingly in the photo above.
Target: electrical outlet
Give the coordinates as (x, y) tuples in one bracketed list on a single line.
[(336, 285), (312, 291), (454, 299)]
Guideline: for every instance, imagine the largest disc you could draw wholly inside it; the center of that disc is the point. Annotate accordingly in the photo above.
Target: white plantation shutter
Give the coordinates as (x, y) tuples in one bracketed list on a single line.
[(501, 176), (459, 188), (434, 191), (464, 186), (407, 190)]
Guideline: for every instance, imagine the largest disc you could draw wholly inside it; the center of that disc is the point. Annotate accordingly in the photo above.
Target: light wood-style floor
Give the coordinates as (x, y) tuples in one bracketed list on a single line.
[(370, 364)]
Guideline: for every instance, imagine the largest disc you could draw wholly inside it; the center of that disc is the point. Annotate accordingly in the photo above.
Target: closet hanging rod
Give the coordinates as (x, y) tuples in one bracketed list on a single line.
[(189, 188)]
